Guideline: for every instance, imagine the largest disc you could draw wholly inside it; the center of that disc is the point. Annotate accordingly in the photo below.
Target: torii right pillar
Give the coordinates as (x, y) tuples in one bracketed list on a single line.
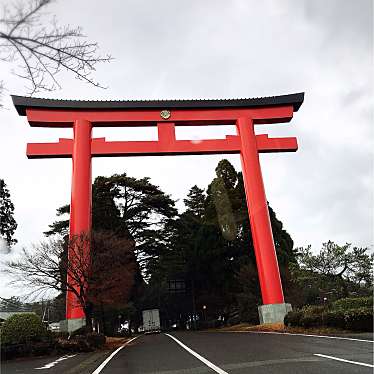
[(274, 308)]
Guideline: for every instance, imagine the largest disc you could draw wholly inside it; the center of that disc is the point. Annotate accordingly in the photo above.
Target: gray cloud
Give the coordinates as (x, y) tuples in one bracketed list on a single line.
[(344, 21)]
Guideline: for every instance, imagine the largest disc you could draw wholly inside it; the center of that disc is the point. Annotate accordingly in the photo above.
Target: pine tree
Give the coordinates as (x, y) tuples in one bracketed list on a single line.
[(8, 224), (195, 201)]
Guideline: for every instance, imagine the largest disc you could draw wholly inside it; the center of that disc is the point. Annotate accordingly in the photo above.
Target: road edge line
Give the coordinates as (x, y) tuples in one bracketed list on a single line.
[(198, 356), (311, 335), (105, 362), (344, 360)]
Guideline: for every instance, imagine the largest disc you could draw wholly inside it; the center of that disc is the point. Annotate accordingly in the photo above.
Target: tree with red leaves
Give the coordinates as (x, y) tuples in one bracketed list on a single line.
[(105, 277)]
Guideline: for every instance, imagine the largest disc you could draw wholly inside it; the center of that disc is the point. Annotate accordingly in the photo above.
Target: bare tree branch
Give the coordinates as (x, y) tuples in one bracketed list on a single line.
[(99, 269), (45, 50)]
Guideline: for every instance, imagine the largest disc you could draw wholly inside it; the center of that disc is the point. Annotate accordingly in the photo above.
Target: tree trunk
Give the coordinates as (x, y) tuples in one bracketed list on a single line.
[(102, 312), (193, 304), (88, 313)]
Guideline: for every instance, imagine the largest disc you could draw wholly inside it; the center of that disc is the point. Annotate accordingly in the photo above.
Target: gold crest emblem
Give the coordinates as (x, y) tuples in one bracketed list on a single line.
[(165, 114)]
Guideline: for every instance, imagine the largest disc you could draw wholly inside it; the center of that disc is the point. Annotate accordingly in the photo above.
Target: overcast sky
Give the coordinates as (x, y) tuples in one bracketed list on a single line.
[(220, 49)]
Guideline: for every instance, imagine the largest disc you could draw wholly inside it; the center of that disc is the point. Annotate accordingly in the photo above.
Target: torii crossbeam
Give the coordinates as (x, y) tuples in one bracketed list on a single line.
[(82, 116)]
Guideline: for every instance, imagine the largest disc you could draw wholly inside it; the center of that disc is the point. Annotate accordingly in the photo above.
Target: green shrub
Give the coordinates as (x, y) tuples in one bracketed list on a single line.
[(234, 320), (355, 319), (334, 318), (22, 328), (311, 319), (313, 309), (42, 348), (353, 303), (359, 319), (309, 316), (293, 318)]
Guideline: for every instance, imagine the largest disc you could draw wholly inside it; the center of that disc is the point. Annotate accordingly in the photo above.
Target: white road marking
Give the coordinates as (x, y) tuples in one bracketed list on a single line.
[(341, 359), (105, 362), (199, 357), (53, 363), (313, 336)]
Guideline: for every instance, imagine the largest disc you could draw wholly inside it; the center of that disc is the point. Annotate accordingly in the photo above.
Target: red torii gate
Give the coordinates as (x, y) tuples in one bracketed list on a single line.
[(166, 114)]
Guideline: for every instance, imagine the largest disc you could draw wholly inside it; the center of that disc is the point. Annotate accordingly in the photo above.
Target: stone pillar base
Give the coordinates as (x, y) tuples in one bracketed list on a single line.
[(273, 313), (71, 325)]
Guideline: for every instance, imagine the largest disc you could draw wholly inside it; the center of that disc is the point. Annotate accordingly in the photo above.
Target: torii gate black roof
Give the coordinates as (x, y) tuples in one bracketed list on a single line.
[(22, 103)]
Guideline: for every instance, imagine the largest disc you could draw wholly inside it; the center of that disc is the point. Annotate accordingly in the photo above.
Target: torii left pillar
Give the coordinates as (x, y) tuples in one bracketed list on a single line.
[(80, 213)]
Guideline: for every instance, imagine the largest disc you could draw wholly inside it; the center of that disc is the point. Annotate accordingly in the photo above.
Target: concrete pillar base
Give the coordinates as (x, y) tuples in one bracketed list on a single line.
[(273, 313), (71, 325)]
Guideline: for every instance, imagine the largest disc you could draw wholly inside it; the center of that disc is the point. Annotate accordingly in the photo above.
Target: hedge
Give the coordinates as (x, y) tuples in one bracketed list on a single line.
[(354, 319), (359, 319), (24, 334), (312, 309), (293, 318), (353, 303), (311, 319), (22, 328), (334, 318)]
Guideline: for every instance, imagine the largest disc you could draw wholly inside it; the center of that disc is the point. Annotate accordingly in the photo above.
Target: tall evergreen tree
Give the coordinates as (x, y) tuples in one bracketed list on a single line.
[(8, 224), (211, 247), (131, 208), (195, 201)]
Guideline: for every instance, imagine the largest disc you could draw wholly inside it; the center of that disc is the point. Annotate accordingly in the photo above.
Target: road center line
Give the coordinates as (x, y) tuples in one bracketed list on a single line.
[(343, 360), (199, 357), (105, 362)]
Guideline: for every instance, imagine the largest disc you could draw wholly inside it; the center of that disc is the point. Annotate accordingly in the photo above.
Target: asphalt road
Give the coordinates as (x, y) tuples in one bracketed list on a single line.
[(209, 352)]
